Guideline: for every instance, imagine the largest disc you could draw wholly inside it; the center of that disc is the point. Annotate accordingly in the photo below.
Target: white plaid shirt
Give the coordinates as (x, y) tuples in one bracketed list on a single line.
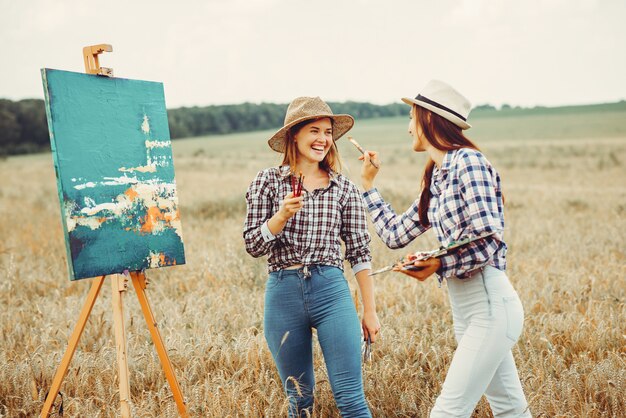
[(312, 235), (466, 202)]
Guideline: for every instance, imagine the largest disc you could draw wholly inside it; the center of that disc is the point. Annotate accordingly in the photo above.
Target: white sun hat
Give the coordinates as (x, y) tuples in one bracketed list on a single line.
[(444, 100)]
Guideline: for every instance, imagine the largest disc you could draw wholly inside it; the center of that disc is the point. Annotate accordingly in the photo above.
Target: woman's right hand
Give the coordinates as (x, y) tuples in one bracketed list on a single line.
[(290, 206), (368, 170)]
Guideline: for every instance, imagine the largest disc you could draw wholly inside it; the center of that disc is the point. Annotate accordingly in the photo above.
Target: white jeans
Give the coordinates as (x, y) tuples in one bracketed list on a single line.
[(488, 318)]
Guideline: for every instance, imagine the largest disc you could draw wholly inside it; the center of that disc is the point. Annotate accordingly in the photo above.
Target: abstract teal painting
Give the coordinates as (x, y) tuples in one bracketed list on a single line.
[(115, 174)]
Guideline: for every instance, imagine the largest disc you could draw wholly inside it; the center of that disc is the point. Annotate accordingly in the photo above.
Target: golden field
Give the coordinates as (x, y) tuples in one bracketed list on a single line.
[(566, 231)]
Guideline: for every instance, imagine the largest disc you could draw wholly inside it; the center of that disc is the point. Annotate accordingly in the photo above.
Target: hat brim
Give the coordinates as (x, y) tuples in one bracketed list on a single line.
[(447, 115), (341, 125)]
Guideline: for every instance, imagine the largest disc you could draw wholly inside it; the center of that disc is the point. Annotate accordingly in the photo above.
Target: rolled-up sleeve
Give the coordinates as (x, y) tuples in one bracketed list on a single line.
[(257, 236), (354, 231)]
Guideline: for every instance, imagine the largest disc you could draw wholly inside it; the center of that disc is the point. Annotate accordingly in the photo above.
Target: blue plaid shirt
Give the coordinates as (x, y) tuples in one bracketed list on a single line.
[(466, 202)]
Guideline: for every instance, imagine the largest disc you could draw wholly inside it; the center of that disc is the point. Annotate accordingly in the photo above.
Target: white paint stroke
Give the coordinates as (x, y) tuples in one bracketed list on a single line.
[(111, 181), (92, 223), (151, 168), (154, 259), (89, 184), (158, 144), (115, 207), (150, 192), (119, 181), (70, 222), (152, 163), (145, 125)]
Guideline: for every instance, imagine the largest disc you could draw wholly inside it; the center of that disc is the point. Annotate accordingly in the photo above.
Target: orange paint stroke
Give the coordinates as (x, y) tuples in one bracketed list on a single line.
[(132, 194), (172, 216), (153, 216), (165, 261)]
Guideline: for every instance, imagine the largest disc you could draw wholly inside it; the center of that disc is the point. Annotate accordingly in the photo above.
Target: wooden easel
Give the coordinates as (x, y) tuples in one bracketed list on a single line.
[(119, 285)]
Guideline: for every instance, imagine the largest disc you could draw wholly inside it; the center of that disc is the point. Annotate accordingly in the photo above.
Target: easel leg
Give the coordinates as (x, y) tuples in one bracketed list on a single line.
[(139, 282), (118, 286), (96, 285)]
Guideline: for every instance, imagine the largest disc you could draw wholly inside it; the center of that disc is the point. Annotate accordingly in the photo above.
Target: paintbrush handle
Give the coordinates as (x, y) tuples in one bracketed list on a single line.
[(300, 184), (360, 148)]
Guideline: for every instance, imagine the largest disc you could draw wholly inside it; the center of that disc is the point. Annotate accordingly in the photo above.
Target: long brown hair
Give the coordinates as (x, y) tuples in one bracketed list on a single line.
[(331, 162), (443, 135)]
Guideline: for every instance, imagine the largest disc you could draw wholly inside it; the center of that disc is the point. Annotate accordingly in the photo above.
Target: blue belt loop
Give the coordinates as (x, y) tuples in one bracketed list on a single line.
[(280, 274)]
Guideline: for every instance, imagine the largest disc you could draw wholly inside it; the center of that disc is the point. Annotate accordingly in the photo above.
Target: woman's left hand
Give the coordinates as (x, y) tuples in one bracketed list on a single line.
[(426, 268), (371, 325)]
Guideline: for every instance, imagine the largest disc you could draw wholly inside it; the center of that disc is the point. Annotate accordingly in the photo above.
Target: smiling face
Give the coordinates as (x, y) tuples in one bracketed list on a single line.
[(314, 140)]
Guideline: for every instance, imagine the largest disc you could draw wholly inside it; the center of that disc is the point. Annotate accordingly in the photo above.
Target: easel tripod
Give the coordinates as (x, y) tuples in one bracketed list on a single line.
[(119, 285)]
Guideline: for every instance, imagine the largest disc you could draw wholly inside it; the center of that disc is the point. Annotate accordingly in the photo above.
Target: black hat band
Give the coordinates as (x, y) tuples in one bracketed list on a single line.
[(440, 106)]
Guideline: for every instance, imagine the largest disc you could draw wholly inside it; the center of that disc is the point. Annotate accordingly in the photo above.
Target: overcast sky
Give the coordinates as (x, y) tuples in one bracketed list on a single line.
[(526, 53)]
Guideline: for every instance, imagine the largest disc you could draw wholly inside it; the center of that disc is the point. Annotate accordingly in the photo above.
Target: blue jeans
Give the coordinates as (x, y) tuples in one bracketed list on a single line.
[(294, 304)]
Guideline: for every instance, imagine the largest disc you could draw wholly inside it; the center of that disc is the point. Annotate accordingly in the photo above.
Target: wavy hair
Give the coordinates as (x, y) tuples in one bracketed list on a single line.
[(443, 135)]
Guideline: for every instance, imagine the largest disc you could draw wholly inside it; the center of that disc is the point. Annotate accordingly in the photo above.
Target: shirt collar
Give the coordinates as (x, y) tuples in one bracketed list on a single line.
[(447, 160), (284, 171), (445, 164)]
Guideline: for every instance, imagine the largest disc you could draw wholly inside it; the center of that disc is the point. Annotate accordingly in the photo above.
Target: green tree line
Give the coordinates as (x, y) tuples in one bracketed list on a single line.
[(24, 127)]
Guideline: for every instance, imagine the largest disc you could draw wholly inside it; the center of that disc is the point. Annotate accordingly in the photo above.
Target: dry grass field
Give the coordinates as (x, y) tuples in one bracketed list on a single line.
[(566, 223)]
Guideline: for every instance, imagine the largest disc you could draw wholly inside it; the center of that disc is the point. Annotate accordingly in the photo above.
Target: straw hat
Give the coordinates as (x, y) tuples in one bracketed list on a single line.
[(442, 99), (305, 108)]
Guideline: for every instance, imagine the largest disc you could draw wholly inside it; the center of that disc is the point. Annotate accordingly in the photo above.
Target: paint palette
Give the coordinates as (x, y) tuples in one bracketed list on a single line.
[(115, 175)]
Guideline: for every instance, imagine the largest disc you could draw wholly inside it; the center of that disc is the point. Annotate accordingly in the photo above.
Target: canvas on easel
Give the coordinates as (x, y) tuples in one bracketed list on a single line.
[(115, 175)]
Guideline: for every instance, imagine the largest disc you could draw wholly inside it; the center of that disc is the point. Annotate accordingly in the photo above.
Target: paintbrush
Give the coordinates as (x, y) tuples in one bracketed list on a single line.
[(300, 183), (360, 148), (296, 185)]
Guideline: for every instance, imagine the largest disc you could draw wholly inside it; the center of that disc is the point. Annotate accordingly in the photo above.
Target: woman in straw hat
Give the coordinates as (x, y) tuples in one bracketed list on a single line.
[(300, 228), (461, 198)]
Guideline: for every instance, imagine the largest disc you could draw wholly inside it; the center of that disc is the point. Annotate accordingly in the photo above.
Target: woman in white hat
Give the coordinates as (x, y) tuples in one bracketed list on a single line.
[(461, 198), (300, 228)]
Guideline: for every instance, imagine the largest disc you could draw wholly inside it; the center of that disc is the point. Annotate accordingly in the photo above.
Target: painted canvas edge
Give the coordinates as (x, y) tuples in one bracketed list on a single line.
[(57, 170)]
